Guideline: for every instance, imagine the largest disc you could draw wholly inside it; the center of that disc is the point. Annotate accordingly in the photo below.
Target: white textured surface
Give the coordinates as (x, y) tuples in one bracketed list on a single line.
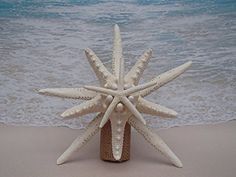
[(120, 108)]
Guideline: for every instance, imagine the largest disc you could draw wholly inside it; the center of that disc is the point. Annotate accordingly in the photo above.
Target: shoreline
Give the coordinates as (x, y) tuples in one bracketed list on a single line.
[(152, 127), (205, 150)]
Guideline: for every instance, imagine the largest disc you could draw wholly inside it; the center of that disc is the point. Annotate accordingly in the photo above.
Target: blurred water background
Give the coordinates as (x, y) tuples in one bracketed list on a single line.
[(42, 42)]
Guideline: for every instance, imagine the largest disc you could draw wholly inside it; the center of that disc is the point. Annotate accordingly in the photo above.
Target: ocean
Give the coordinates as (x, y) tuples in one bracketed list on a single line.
[(42, 42)]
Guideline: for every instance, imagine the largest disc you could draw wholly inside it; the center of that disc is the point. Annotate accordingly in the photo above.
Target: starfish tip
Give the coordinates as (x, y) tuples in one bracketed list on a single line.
[(42, 91), (116, 26), (189, 63), (179, 164), (86, 49), (117, 157), (150, 50), (101, 125), (175, 114), (86, 87), (59, 161), (64, 115)]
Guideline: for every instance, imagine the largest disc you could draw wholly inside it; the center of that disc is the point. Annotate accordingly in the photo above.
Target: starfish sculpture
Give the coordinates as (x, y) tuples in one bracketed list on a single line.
[(119, 99)]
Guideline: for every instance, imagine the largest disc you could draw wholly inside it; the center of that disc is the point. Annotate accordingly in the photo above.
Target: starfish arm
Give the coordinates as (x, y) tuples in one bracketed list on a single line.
[(75, 93), (101, 90), (100, 70), (139, 87), (118, 123), (80, 141), (155, 141), (133, 110), (87, 107), (109, 111), (148, 107), (117, 52), (137, 70), (166, 77), (121, 75)]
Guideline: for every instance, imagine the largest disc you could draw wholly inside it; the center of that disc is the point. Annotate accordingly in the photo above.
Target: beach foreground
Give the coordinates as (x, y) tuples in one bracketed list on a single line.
[(205, 150)]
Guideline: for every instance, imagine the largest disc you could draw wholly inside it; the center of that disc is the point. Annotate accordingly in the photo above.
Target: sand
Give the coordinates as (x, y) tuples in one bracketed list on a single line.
[(205, 150)]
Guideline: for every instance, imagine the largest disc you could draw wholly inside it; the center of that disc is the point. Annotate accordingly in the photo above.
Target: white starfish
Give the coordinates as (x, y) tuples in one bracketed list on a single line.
[(120, 99)]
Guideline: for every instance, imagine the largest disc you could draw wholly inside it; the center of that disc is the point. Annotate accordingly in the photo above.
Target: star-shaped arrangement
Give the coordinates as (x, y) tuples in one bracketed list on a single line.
[(120, 100)]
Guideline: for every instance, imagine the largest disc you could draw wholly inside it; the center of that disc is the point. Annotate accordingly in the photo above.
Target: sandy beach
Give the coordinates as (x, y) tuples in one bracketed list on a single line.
[(205, 150)]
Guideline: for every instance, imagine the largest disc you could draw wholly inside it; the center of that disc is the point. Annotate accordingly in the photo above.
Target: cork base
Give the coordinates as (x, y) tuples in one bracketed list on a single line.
[(106, 144)]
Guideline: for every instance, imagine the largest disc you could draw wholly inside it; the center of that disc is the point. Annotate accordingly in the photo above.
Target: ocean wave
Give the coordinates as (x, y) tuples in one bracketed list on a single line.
[(41, 45)]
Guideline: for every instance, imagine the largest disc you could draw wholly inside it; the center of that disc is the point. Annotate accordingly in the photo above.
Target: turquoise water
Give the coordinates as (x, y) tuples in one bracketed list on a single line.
[(42, 42)]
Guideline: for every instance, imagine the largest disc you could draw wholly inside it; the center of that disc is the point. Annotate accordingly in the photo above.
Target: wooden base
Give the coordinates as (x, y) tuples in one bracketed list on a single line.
[(106, 143)]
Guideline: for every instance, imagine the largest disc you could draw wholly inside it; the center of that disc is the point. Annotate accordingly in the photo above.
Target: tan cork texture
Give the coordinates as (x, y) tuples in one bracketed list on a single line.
[(106, 143)]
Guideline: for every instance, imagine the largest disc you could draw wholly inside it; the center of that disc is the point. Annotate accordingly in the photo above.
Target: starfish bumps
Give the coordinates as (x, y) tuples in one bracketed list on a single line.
[(119, 99)]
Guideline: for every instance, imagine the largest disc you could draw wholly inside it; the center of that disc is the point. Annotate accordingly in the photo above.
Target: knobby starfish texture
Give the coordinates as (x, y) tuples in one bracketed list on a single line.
[(119, 99)]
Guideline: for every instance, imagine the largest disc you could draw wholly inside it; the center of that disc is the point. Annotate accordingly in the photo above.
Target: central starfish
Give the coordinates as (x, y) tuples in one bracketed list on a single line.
[(120, 100)]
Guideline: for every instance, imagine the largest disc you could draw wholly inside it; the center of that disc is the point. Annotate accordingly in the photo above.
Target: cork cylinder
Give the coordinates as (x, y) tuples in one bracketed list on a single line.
[(106, 143)]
